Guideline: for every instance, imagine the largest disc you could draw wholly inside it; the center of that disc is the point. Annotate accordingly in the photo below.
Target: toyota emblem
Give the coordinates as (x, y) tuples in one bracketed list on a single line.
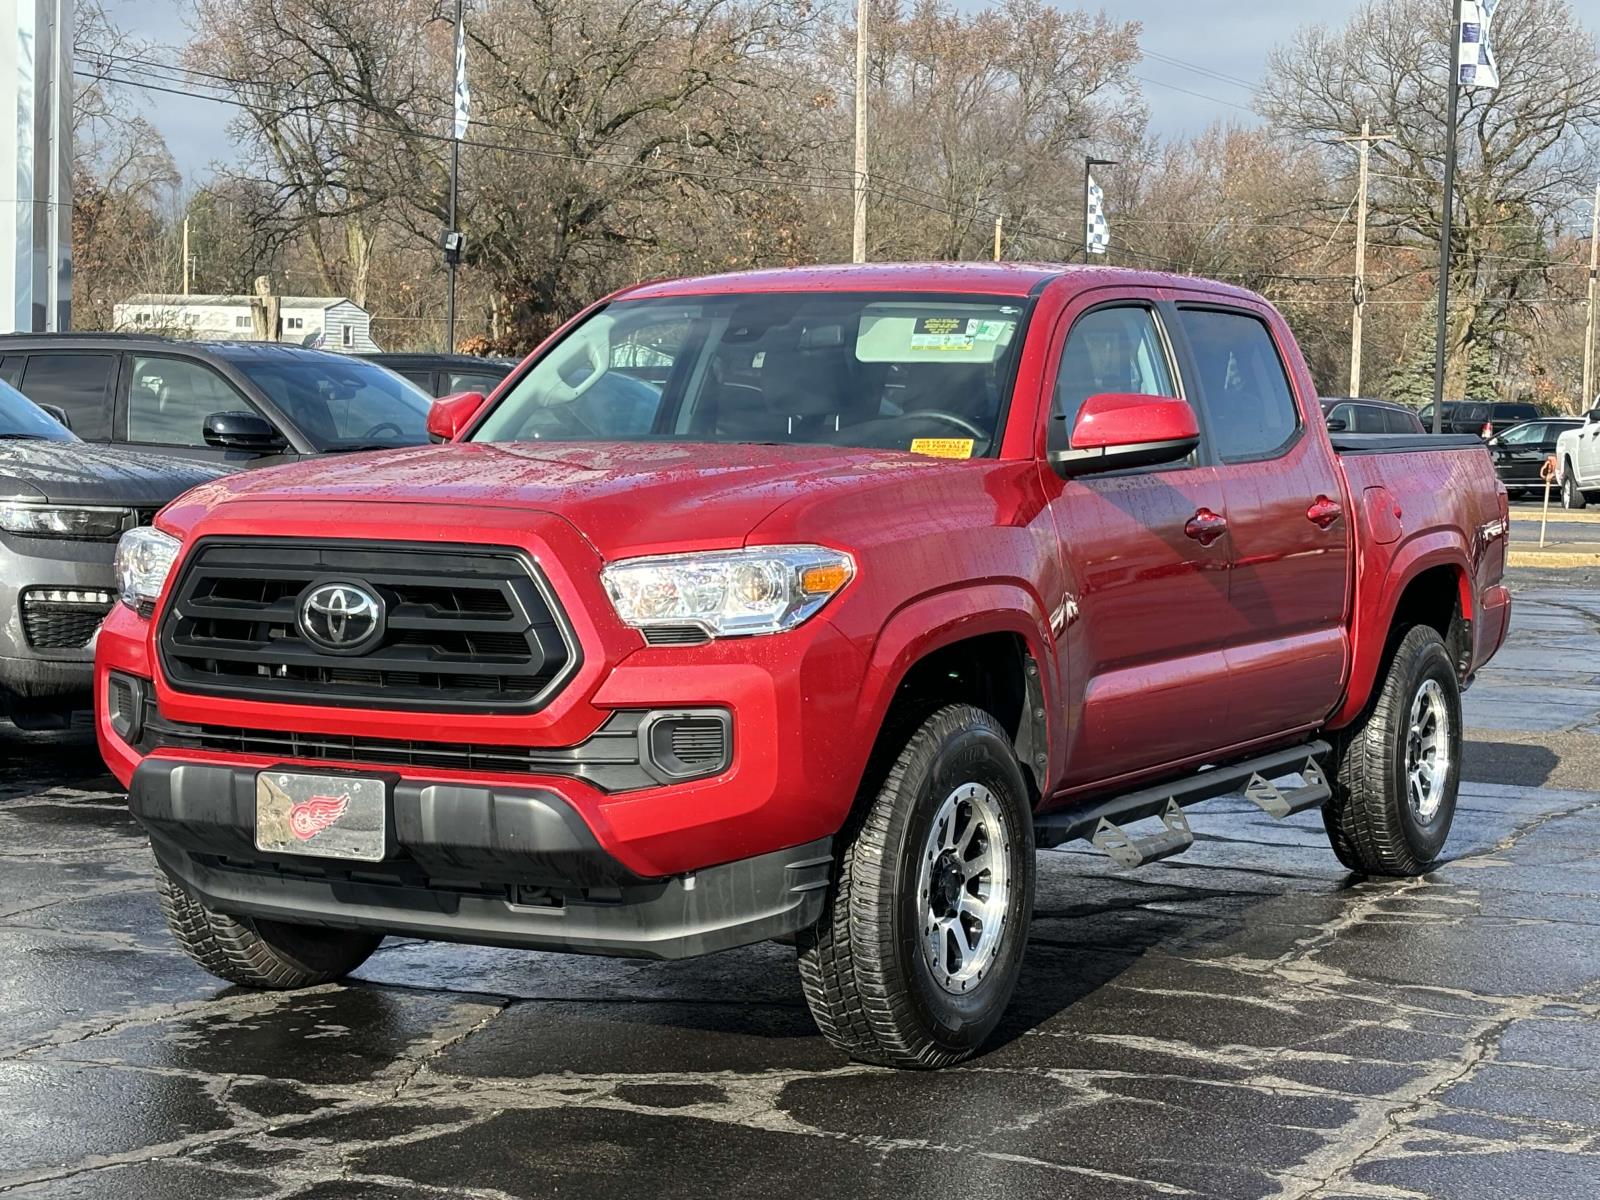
[(341, 618)]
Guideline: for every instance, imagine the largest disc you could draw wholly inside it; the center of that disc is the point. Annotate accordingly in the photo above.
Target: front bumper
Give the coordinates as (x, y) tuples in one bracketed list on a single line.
[(505, 866), (34, 678)]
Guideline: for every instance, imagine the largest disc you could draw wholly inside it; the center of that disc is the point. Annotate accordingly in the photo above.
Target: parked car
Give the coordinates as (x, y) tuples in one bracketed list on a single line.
[(1521, 452), (908, 570), (1370, 416), (447, 374), (235, 402), (1482, 417), (63, 505), (1578, 459)]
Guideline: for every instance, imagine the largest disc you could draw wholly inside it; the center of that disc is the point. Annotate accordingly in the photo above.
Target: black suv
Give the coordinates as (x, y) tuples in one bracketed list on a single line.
[(447, 374), (1369, 416), (223, 401), (1482, 417)]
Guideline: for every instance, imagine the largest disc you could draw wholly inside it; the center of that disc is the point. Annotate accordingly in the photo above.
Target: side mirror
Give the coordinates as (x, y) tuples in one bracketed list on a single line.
[(1495, 441), (59, 414), (243, 431), (1337, 425), (1116, 431), (450, 415)]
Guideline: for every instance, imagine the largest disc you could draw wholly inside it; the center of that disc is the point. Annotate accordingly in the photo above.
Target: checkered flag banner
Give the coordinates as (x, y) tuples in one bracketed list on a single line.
[(1475, 65), (1099, 229), (463, 94)]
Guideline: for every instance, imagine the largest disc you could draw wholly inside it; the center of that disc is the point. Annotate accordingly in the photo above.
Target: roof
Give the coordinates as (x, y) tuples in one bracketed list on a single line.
[(421, 358), (981, 278), (170, 300), (1330, 401), (233, 350)]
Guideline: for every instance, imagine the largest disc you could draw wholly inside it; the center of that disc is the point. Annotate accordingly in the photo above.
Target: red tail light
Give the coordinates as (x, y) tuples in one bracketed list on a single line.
[(1486, 432)]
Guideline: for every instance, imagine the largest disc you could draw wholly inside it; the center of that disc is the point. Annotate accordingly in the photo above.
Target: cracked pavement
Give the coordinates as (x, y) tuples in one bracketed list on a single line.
[(1244, 1021)]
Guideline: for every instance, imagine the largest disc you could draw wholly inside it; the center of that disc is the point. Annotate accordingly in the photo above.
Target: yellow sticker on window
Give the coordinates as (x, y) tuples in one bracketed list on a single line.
[(943, 447)]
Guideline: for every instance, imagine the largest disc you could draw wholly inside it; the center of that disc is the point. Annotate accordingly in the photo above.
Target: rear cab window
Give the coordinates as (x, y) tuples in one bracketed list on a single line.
[(1242, 382), (78, 383)]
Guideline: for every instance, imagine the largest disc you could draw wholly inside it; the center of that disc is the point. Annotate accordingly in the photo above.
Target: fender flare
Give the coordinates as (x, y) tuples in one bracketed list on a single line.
[(1438, 548), (944, 618)]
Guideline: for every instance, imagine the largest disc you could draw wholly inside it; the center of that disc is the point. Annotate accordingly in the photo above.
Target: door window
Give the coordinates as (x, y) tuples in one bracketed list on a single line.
[(78, 384), (1399, 422), (1523, 435), (468, 381), (169, 400), (1243, 383), (1109, 350)]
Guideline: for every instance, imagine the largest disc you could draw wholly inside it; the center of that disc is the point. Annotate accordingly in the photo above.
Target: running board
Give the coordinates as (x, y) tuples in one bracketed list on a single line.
[(1126, 850), (1084, 821)]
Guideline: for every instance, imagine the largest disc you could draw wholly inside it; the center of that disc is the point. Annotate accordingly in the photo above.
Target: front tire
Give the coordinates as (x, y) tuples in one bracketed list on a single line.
[(255, 953), (1398, 769), (1571, 494), (918, 953)]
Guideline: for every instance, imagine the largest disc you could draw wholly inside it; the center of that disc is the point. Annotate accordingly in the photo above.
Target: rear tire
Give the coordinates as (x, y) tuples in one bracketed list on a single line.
[(1571, 495), (255, 953), (1398, 769), (918, 952)]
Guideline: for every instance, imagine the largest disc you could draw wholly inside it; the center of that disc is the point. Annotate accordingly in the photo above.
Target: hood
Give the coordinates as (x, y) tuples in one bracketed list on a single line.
[(86, 473), (624, 497)]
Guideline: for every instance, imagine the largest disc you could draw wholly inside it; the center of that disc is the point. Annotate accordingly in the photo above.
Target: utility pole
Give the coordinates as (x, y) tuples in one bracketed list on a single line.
[(1359, 297), (1452, 119), (997, 226), (1594, 295), (858, 241), (185, 255)]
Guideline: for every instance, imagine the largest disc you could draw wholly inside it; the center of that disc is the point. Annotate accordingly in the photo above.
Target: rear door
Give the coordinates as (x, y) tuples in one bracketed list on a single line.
[(1147, 599), (1289, 539), (79, 382)]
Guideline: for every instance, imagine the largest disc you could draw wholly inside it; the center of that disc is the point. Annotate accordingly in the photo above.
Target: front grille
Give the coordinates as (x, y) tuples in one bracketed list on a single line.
[(467, 628), (63, 618), (615, 758)]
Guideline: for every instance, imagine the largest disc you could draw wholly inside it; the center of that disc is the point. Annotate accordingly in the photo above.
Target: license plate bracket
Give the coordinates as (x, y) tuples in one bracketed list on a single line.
[(322, 816)]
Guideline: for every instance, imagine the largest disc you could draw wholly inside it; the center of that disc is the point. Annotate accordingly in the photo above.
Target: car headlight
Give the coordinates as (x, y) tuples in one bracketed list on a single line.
[(728, 593), (144, 559), (58, 521)]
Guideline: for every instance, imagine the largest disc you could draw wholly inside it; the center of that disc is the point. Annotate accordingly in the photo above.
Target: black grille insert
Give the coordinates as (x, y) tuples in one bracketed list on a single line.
[(63, 618), (468, 627)]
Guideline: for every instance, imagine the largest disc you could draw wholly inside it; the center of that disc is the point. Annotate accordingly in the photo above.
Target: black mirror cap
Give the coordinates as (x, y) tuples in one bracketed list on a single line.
[(1070, 464), (1335, 425), (242, 431), (59, 415)]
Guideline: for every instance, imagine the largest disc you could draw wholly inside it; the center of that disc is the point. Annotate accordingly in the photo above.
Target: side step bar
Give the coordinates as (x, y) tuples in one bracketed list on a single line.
[(1101, 822)]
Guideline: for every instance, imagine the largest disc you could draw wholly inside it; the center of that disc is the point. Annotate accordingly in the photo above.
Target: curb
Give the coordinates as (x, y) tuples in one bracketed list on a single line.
[(1551, 558)]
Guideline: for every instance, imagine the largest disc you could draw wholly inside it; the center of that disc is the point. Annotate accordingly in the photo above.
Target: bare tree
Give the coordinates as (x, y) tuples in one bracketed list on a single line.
[(1525, 147)]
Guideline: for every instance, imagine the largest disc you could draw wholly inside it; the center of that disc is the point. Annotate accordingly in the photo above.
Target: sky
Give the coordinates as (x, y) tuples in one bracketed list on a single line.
[(1228, 38)]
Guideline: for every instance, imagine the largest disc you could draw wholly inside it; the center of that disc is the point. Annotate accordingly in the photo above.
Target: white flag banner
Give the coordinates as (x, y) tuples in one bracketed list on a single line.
[(1099, 229), (463, 95), (1475, 65)]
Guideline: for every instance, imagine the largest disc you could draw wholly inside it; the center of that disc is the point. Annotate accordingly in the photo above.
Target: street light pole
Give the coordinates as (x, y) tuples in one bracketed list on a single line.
[(858, 239), (1452, 117), (452, 254), (1594, 294)]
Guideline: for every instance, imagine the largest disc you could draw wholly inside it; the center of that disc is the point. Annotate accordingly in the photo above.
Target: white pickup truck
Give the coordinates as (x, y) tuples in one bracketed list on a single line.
[(1578, 456)]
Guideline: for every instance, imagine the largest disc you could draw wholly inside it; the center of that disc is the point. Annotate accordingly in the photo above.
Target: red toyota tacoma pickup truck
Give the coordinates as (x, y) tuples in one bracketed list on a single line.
[(801, 604)]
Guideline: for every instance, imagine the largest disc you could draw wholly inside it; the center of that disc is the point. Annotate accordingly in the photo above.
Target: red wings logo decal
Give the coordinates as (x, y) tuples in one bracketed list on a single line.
[(311, 817)]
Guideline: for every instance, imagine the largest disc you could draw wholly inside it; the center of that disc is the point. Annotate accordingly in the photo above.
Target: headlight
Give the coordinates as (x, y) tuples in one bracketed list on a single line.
[(144, 558), (728, 593), (54, 521)]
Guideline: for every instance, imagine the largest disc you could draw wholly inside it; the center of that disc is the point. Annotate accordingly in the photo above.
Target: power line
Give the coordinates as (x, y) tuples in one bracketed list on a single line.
[(1196, 68)]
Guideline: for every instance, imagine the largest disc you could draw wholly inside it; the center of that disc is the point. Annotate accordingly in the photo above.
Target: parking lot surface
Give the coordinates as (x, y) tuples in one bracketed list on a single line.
[(1245, 1021)]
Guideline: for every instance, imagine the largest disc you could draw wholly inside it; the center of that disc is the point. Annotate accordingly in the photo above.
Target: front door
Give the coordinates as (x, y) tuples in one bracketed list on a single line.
[(1288, 529), (1147, 582)]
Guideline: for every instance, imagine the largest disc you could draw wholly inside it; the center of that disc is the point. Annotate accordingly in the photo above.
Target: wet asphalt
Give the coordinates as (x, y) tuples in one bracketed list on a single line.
[(1245, 1021)]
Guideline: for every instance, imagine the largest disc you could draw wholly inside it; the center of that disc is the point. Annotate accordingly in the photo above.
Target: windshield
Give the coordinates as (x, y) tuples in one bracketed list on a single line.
[(22, 418), (917, 372), (342, 403)]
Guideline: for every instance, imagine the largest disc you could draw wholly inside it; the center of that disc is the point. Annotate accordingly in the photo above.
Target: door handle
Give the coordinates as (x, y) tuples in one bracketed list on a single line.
[(1206, 526), (1323, 512)]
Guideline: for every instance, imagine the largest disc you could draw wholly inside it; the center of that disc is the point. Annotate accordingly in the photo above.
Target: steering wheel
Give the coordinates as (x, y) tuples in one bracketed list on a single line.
[(961, 423), (380, 427)]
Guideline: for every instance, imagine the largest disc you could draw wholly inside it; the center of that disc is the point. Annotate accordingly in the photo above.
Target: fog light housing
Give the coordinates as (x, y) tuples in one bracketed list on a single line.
[(125, 697), (688, 744)]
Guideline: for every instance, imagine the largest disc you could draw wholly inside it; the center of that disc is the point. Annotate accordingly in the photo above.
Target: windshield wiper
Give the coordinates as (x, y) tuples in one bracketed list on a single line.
[(23, 437)]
